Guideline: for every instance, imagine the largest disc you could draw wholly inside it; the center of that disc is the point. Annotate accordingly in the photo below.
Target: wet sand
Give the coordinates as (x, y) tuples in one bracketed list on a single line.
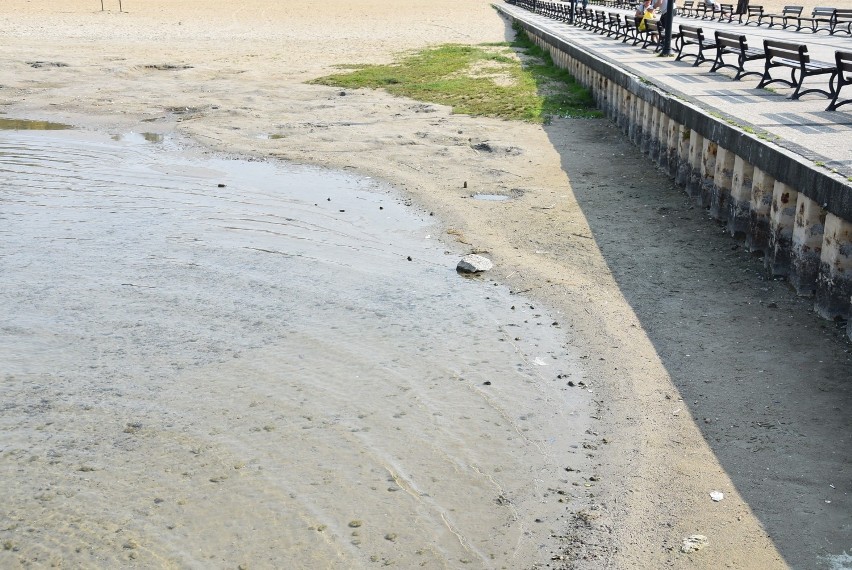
[(214, 361), (706, 376)]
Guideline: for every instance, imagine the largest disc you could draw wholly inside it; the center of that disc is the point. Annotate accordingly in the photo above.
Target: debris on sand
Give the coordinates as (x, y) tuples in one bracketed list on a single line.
[(694, 543)]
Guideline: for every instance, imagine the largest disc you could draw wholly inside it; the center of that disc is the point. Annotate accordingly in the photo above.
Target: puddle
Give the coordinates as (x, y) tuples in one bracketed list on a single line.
[(140, 137), (491, 197), (26, 125), (226, 345)]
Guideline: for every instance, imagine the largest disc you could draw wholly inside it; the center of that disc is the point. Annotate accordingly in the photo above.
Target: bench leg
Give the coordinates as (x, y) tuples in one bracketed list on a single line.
[(797, 85), (835, 100), (766, 79), (798, 92), (717, 63)]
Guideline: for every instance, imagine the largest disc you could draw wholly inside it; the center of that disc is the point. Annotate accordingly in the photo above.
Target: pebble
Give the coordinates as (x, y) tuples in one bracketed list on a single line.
[(474, 264), (694, 543)]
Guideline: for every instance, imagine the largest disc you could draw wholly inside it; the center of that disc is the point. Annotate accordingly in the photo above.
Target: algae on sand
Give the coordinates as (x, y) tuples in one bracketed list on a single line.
[(516, 81)]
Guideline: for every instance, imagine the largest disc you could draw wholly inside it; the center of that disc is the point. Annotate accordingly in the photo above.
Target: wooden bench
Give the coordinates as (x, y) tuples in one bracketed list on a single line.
[(821, 18), (702, 10), (650, 36), (789, 12), (613, 24), (599, 21), (730, 43), (690, 35), (842, 21), (717, 11), (840, 79), (561, 11), (616, 25), (588, 18), (607, 23), (755, 12), (581, 16), (796, 58), (631, 32), (688, 9), (726, 13)]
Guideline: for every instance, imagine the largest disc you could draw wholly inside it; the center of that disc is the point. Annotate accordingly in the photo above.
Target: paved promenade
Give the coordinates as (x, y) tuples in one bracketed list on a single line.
[(802, 126)]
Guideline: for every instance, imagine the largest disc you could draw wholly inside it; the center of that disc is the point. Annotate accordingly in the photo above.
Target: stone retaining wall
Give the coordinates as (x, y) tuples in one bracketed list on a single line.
[(794, 212)]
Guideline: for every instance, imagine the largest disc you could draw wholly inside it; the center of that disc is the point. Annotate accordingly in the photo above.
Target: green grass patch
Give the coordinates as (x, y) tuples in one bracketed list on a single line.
[(514, 80)]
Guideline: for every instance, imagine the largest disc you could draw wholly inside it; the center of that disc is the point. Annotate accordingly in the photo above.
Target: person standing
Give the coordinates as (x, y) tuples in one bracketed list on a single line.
[(665, 12)]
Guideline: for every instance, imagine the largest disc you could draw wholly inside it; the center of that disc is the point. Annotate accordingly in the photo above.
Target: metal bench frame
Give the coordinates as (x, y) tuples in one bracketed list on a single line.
[(731, 43), (842, 18), (789, 12), (840, 79), (631, 32), (820, 15), (794, 56), (752, 11), (691, 35)]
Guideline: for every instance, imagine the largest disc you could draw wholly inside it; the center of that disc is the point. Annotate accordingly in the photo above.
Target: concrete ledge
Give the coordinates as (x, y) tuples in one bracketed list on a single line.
[(784, 166), (772, 197)]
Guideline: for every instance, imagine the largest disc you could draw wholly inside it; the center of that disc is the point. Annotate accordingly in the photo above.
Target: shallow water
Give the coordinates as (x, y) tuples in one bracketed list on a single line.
[(27, 125), (209, 362)]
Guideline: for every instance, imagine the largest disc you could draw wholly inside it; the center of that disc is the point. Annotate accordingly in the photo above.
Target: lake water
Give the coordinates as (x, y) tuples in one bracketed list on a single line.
[(209, 362)]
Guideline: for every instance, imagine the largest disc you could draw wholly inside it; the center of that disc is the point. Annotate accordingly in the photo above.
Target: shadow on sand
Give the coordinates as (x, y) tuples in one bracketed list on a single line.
[(768, 381)]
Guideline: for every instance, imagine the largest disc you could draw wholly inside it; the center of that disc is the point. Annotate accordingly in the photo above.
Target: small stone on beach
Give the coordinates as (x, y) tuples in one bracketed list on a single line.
[(474, 264), (694, 543)]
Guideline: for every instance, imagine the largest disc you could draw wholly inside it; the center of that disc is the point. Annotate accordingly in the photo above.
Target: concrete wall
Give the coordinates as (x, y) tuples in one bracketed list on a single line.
[(798, 215)]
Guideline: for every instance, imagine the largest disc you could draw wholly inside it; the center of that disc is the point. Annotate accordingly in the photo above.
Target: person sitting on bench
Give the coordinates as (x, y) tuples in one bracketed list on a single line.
[(639, 12)]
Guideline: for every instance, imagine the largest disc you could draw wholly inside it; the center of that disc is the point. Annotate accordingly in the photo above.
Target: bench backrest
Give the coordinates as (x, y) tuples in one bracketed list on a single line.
[(842, 15), (786, 50), (755, 10), (692, 33), (688, 4), (844, 60), (792, 10), (822, 12), (731, 40)]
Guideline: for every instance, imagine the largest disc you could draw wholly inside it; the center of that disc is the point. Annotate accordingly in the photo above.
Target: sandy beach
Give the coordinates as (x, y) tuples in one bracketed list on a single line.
[(705, 376)]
